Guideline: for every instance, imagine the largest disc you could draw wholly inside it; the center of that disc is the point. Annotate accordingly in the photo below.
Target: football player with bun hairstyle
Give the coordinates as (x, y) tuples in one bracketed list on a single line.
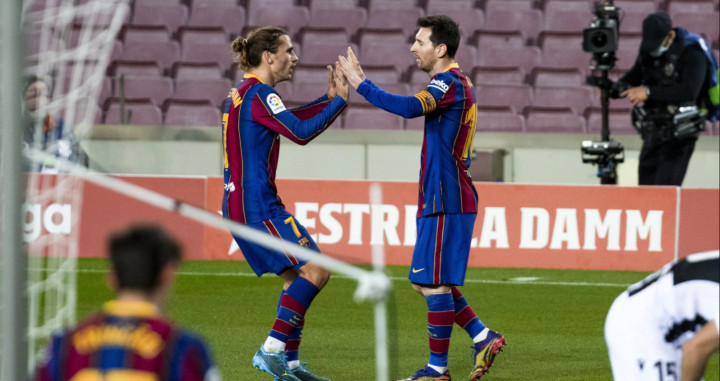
[(254, 118)]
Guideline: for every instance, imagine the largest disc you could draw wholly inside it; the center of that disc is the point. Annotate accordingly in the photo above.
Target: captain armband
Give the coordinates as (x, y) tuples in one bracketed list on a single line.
[(427, 100)]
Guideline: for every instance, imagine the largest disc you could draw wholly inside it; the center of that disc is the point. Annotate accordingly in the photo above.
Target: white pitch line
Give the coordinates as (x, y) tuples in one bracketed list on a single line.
[(397, 278)]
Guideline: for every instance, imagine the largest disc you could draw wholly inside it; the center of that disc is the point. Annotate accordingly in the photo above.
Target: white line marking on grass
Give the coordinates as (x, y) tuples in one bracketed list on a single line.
[(520, 280)]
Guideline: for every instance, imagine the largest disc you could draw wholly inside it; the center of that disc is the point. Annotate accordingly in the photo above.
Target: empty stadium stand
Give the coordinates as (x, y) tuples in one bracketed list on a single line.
[(172, 62)]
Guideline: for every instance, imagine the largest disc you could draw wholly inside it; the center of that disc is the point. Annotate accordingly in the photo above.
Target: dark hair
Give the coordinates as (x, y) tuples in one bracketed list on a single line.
[(138, 255), (443, 31), (249, 51), (29, 79)]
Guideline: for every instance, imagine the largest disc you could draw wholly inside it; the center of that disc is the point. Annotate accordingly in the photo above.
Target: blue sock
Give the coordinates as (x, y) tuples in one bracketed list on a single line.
[(465, 316), (441, 317), (293, 305)]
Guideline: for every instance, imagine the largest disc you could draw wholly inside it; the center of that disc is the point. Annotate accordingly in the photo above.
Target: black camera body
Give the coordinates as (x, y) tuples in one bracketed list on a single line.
[(601, 38)]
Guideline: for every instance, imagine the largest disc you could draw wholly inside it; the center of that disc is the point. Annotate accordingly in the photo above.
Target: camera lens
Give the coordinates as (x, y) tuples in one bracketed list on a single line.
[(599, 39)]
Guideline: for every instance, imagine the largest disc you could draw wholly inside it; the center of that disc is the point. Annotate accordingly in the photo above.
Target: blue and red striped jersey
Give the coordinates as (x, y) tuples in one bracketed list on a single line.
[(448, 103), (253, 120), (128, 341)]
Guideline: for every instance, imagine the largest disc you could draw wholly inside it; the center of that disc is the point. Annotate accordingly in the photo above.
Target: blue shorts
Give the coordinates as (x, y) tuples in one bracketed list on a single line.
[(263, 260), (442, 249)]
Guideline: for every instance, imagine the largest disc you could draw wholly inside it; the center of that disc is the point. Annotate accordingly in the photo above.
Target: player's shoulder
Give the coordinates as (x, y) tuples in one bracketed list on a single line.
[(442, 81), (268, 95)]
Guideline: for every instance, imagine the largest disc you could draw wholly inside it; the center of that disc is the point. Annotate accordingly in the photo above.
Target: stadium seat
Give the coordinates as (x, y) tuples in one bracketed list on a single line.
[(390, 4), (145, 33), (137, 111), (518, 96), (392, 18), (164, 52), (469, 20), (351, 19), (508, 5), (484, 39), (526, 57), (168, 14), (157, 89), (527, 21), (225, 14), (705, 23), (191, 113), (218, 53), (304, 92), (553, 120), (466, 57), (557, 77), (192, 70), (332, 4), (563, 58), (293, 17), (634, 12), (308, 73), (619, 122), (320, 34), (371, 118), (135, 68), (499, 119), (438, 7), (560, 40), (383, 36), (382, 74), (381, 54), (492, 75), (194, 4), (575, 98), (566, 15), (213, 90), (690, 6), (202, 35), (320, 52)]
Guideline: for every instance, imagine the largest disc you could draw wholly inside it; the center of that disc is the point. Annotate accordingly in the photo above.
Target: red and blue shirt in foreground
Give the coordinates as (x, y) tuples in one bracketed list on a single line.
[(128, 341)]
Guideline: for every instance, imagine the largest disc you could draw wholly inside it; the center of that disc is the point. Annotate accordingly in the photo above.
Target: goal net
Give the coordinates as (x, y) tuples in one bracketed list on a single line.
[(67, 49)]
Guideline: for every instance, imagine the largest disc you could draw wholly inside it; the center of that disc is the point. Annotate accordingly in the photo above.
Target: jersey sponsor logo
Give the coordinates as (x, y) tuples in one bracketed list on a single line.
[(276, 105), (439, 84)]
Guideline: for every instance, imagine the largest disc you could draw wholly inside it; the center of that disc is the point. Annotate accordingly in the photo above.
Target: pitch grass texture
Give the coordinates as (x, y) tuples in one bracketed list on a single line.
[(552, 319)]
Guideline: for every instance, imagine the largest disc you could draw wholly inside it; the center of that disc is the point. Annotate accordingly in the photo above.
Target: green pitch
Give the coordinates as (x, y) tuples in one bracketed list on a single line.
[(552, 319)]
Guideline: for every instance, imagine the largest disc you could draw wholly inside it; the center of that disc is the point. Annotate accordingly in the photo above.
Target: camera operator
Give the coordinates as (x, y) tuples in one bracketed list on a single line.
[(669, 86)]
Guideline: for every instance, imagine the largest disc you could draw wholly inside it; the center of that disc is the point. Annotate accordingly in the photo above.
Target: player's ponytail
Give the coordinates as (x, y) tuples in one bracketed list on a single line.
[(248, 51)]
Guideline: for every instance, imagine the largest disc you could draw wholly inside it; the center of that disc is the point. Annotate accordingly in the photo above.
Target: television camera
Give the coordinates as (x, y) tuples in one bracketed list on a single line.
[(601, 39)]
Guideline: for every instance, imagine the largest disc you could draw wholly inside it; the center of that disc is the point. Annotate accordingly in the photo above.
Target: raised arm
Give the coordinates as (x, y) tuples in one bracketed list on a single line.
[(405, 106)]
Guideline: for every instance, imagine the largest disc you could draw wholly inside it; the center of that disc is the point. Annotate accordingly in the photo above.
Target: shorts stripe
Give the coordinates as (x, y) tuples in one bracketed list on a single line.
[(437, 257), (273, 231)]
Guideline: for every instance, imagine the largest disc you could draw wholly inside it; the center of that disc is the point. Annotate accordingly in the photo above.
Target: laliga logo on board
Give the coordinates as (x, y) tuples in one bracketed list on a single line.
[(56, 219)]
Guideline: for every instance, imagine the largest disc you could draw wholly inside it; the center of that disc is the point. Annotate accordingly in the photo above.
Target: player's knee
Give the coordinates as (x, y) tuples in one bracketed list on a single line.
[(315, 274)]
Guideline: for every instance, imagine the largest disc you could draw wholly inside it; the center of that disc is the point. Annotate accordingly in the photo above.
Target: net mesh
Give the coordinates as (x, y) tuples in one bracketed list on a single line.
[(68, 48)]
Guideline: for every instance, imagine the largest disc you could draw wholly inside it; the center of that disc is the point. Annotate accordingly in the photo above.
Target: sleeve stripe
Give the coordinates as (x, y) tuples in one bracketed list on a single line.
[(427, 101)]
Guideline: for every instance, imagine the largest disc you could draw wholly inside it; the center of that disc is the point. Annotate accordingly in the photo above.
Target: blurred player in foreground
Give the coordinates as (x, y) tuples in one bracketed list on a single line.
[(666, 326), (254, 118), (130, 339), (447, 204)]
